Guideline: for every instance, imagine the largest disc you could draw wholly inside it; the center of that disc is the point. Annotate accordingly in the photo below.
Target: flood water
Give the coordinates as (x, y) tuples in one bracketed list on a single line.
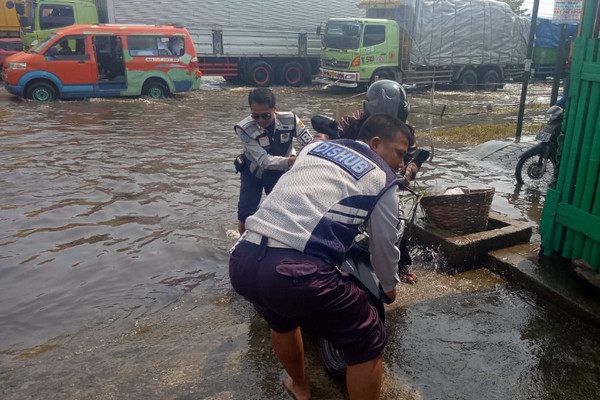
[(113, 260)]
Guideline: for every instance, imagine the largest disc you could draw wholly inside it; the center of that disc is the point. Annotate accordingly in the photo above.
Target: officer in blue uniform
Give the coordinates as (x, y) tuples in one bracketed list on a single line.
[(268, 140)]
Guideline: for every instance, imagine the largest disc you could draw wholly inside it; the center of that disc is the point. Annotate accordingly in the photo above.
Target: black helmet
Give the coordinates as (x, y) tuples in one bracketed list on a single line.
[(387, 97)]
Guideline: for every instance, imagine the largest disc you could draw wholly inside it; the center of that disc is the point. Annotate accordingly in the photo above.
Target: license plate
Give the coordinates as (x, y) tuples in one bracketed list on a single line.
[(334, 74), (543, 136)]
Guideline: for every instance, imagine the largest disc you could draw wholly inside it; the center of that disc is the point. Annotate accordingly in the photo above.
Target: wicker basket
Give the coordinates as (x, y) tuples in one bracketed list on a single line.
[(463, 213)]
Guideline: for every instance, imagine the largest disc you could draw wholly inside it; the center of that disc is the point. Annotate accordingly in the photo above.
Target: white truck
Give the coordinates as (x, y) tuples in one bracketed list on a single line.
[(243, 41)]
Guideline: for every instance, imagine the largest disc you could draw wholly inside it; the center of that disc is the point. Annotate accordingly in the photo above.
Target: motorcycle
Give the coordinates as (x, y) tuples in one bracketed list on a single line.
[(537, 166), (357, 263)]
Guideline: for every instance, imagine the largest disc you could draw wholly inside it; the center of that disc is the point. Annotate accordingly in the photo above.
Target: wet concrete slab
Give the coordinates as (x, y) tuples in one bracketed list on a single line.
[(462, 251), (548, 277), (507, 248)]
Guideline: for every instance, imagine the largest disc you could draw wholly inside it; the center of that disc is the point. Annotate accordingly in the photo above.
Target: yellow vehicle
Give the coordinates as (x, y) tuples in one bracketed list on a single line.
[(9, 22)]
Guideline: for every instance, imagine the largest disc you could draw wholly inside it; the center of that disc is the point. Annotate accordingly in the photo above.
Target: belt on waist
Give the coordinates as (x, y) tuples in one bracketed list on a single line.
[(256, 238)]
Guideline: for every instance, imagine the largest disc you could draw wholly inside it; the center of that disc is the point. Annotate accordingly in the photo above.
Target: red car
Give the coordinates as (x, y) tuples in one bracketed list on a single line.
[(9, 46)]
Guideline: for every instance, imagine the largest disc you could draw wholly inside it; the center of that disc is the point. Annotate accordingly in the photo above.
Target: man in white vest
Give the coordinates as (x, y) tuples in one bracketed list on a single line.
[(267, 137), (286, 264)]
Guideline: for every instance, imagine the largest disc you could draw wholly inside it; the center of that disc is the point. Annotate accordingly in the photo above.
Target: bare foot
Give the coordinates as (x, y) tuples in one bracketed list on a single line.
[(408, 277), (297, 392)]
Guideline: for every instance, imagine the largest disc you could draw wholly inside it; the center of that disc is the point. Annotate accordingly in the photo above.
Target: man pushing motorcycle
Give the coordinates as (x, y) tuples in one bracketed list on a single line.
[(287, 262)]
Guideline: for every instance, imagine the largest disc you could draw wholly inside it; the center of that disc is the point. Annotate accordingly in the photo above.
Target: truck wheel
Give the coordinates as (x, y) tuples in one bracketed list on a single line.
[(155, 90), (292, 74), (41, 91), (490, 80), (468, 81), (260, 74)]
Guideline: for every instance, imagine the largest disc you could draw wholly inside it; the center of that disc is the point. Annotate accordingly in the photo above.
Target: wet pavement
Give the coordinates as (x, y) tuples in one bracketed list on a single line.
[(113, 261)]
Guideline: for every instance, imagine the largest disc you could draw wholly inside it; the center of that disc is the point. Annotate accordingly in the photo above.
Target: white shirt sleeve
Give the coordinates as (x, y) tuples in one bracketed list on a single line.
[(382, 229), (258, 155)]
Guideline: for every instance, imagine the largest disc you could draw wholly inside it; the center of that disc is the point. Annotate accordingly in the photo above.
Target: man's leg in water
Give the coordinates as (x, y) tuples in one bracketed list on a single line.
[(364, 380), (289, 349)]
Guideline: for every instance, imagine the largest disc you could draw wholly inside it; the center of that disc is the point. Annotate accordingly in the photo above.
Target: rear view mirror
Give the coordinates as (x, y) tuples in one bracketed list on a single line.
[(24, 20), (420, 156), (326, 125)]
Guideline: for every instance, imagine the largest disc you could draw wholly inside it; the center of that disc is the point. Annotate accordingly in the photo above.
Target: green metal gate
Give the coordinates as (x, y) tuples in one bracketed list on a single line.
[(570, 224)]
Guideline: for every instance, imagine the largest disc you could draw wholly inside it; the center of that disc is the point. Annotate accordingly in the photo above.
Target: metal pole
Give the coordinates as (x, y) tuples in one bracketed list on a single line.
[(527, 73), (559, 67)]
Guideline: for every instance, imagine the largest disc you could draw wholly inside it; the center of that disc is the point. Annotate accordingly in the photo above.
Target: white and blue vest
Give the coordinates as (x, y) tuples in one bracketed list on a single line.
[(319, 205)]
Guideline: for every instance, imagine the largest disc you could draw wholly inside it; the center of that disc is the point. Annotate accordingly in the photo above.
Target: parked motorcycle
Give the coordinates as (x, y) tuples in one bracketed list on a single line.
[(537, 166), (357, 263)]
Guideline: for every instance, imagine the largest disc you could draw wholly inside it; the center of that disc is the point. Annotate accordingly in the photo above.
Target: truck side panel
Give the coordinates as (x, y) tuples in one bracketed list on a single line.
[(253, 42)]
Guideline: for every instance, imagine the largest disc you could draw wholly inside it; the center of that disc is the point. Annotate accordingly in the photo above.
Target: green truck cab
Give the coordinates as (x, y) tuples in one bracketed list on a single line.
[(39, 18), (358, 51)]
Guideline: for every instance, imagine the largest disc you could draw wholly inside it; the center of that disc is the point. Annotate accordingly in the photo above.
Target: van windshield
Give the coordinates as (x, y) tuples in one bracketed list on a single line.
[(38, 48), (344, 35)]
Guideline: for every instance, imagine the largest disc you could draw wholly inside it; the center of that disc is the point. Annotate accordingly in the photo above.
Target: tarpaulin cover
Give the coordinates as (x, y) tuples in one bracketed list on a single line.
[(547, 34), (447, 32)]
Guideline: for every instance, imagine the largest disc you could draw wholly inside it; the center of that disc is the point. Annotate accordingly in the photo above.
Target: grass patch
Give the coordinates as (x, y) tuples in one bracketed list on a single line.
[(477, 134)]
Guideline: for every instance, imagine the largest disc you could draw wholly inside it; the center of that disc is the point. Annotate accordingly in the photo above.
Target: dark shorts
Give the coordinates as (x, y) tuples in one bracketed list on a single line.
[(290, 289)]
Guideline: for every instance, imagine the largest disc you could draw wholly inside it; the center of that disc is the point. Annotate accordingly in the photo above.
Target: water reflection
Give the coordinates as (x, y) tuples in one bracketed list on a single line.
[(495, 343)]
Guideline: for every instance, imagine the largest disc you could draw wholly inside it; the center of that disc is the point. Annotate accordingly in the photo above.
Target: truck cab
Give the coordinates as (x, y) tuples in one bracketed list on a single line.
[(40, 18), (358, 51)]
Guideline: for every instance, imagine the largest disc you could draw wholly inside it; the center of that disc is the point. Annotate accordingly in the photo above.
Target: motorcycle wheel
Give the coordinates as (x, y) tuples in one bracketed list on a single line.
[(333, 359), (532, 171)]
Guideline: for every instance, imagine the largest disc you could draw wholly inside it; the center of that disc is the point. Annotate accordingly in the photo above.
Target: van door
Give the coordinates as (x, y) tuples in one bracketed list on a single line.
[(70, 61), (108, 51)]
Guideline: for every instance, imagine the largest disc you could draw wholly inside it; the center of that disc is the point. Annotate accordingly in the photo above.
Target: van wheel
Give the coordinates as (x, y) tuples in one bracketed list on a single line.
[(155, 90), (260, 74), (41, 91), (292, 74)]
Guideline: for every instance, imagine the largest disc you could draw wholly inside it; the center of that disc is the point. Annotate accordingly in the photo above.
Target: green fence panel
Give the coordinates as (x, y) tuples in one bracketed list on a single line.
[(582, 198), (570, 224)]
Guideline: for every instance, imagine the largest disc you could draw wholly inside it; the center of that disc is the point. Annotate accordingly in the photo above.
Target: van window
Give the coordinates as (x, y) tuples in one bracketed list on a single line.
[(155, 46), (55, 16), (374, 34), (69, 48)]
